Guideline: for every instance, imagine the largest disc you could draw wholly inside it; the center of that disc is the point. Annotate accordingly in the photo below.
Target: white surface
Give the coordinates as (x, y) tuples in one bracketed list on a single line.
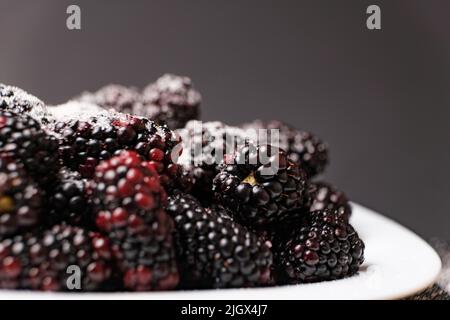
[(398, 264)]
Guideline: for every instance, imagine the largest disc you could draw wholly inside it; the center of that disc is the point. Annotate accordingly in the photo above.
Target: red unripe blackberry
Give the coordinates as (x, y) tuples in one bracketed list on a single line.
[(171, 100), (260, 191), (89, 138), (302, 147), (214, 251), (40, 260), (128, 200), (323, 247), (21, 199)]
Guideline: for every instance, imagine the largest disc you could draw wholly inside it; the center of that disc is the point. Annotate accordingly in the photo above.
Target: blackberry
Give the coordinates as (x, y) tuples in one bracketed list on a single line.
[(322, 195), (303, 147), (214, 251), (260, 191), (205, 144), (129, 200), (171, 100), (22, 138), (95, 135), (324, 247), (17, 100), (113, 96), (21, 199), (69, 202), (40, 261)]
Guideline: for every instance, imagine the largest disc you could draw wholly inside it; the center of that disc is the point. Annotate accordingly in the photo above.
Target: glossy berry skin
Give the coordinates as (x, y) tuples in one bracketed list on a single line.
[(323, 247), (70, 202), (23, 139), (21, 199), (84, 143), (39, 261), (204, 146), (260, 192), (128, 205), (170, 100), (113, 96), (214, 251), (302, 147), (322, 195)]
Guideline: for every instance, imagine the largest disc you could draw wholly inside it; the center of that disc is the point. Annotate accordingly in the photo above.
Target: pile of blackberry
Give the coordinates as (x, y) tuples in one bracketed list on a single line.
[(21, 198), (129, 206), (302, 147), (205, 145), (40, 260), (171, 100), (103, 186), (17, 100), (260, 193), (88, 138), (22, 138), (214, 250)]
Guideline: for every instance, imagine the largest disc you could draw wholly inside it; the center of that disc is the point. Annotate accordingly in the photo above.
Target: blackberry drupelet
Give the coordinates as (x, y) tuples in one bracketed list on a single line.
[(324, 247), (39, 261), (23, 139), (260, 193), (129, 200), (303, 147), (113, 96), (214, 251), (70, 202), (17, 100), (88, 138), (171, 100), (205, 145), (322, 195), (21, 199)]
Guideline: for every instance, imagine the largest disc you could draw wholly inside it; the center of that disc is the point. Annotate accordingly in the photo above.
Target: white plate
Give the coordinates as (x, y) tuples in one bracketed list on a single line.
[(398, 264)]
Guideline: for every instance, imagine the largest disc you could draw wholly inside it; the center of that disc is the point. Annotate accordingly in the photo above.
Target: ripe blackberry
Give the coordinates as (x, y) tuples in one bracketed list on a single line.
[(171, 100), (214, 251), (69, 202), (303, 147), (113, 96), (21, 199), (204, 147), (95, 135), (40, 261), (259, 192), (22, 138), (17, 100), (322, 195), (129, 200), (324, 247)]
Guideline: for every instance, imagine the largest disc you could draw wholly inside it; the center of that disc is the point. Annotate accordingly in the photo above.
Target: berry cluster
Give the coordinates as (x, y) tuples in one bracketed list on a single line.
[(170, 100), (104, 184), (214, 250)]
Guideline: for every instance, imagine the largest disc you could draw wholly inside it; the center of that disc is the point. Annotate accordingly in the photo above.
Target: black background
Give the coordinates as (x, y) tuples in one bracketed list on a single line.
[(381, 99)]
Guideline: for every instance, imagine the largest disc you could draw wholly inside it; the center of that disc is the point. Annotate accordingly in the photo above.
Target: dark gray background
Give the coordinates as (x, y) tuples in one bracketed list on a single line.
[(380, 98)]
